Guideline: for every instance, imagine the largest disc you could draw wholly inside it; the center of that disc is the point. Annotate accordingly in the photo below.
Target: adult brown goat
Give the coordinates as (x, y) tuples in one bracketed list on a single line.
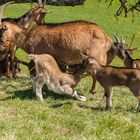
[(66, 41), (16, 33)]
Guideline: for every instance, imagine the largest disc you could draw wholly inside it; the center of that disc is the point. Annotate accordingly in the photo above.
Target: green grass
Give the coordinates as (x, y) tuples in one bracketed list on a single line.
[(60, 117)]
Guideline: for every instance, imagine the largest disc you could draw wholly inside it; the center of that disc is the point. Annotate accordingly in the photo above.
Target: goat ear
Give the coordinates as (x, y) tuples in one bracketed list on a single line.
[(130, 50), (134, 49), (46, 11), (5, 27), (122, 40)]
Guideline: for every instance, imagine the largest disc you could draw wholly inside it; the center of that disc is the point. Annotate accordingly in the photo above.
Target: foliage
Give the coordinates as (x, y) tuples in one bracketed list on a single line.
[(126, 6)]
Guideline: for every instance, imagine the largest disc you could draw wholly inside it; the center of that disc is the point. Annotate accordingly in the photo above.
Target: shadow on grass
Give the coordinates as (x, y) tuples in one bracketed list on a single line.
[(22, 94), (132, 110), (58, 105), (116, 108), (99, 108), (28, 94)]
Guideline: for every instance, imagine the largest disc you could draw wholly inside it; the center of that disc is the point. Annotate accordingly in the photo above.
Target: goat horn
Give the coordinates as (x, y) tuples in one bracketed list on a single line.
[(131, 41), (2, 8), (40, 3), (44, 2), (117, 38), (121, 39)]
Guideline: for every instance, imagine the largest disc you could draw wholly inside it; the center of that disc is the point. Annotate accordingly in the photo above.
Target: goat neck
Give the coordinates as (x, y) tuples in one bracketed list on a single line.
[(94, 68), (27, 20), (111, 53)]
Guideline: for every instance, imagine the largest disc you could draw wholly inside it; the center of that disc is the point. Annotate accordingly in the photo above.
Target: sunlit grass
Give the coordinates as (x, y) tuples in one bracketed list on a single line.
[(60, 117)]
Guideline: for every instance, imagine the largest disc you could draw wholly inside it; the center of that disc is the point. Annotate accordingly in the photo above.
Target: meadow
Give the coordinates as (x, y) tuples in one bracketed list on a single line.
[(60, 117)]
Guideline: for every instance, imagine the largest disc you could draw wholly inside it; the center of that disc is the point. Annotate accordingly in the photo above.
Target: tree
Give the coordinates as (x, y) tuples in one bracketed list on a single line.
[(126, 7)]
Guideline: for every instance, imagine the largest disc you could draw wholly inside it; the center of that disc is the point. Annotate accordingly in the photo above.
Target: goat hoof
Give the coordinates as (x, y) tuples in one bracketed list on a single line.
[(108, 108), (9, 75), (93, 91), (82, 98), (138, 109), (40, 100)]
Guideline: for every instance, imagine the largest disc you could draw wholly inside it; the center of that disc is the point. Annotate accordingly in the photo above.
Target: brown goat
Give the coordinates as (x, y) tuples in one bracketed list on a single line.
[(109, 76), (49, 73), (26, 21), (16, 34), (66, 42), (129, 62)]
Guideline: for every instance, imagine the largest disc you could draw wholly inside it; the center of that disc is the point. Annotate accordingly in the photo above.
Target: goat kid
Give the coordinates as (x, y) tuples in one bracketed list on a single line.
[(49, 73), (109, 76), (129, 62)]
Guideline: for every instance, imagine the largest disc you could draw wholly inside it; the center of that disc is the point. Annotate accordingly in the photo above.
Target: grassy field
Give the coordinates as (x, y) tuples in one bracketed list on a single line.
[(22, 117)]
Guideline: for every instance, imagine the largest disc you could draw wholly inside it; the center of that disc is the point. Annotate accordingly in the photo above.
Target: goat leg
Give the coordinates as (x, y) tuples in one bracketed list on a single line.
[(39, 93), (93, 89), (108, 94), (69, 91), (12, 56), (37, 88), (8, 73), (78, 97), (138, 108)]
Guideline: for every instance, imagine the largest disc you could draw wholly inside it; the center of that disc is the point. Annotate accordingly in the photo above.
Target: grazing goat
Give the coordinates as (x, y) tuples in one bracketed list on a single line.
[(49, 73), (66, 41), (109, 76), (16, 33), (129, 62)]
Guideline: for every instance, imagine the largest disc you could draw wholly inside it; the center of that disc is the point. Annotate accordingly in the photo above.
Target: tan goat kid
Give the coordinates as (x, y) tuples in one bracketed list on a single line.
[(109, 76), (49, 73)]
